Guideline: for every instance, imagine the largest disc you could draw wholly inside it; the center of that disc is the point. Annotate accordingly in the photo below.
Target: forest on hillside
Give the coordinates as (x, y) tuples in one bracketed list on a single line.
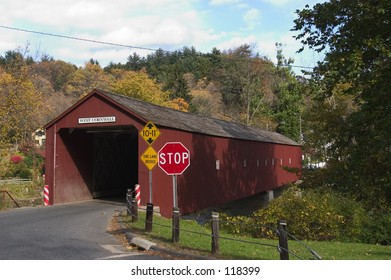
[(236, 85)]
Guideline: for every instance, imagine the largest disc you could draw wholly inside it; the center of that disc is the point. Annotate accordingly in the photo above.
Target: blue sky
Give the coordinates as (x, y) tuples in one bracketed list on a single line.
[(166, 24)]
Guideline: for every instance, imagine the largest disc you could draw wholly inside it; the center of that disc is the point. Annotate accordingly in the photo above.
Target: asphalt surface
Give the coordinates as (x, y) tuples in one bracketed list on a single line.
[(76, 231)]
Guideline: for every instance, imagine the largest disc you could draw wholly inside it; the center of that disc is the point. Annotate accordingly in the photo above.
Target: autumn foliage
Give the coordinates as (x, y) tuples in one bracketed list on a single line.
[(235, 85)]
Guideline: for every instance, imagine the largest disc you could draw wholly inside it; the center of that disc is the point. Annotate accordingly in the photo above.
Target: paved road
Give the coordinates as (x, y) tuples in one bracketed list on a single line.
[(75, 231)]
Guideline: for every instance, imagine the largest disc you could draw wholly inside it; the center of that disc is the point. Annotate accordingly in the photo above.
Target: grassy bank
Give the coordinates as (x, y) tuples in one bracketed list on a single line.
[(25, 194), (196, 239)]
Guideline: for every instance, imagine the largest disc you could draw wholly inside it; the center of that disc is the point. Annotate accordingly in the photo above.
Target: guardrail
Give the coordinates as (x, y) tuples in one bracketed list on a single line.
[(14, 181)]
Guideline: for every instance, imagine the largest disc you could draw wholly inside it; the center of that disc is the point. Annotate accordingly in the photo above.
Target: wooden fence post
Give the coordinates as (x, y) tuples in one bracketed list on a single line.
[(175, 225), (215, 233), (134, 210), (129, 202), (282, 240), (149, 217)]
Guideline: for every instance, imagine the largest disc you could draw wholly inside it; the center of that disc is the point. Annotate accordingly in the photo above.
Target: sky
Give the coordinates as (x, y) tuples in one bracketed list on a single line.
[(147, 25)]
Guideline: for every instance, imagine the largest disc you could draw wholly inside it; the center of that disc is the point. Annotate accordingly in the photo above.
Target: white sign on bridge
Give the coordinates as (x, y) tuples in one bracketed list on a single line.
[(107, 119)]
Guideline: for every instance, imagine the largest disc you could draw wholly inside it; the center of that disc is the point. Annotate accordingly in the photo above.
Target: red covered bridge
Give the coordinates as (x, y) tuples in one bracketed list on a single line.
[(93, 150)]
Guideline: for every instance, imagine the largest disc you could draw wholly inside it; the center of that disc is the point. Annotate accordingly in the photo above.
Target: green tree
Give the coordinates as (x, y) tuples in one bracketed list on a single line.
[(325, 126), (14, 61), (246, 85), (155, 62), (135, 62), (355, 37), (288, 106), (175, 83)]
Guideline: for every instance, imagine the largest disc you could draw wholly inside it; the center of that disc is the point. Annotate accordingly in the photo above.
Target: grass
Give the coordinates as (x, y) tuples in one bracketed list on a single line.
[(351, 251), (25, 194), (196, 238)]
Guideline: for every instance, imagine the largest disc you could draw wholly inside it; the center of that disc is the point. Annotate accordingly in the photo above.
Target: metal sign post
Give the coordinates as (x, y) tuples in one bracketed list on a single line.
[(149, 133), (150, 186), (174, 159), (175, 190)]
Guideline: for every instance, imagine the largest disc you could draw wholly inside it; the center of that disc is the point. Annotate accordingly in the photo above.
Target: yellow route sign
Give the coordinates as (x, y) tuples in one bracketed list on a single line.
[(149, 133), (149, 157)]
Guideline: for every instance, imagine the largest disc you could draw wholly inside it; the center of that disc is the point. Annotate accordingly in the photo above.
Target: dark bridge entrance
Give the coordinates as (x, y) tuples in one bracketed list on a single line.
[(115, 162), (105, 157)]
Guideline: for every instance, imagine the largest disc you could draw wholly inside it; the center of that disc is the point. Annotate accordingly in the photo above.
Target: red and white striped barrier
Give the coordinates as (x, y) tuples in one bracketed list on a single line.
[(46, 195), (138, 195)]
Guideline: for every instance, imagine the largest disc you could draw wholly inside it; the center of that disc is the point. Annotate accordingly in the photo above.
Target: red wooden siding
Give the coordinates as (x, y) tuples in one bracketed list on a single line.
[(201, 185)]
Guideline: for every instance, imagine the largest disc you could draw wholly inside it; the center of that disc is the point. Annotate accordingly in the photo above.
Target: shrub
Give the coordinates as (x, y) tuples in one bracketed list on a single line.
[(24, 173), (315, 215), (310, 214), (377, 229), (237, 225), (22, 163)]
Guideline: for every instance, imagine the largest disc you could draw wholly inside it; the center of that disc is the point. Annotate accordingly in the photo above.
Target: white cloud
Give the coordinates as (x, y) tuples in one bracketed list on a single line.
[(87, 13), (279, 2), (136, 22), (224, 2), (168, 24), (294, 4), (8, 40), (155, 30), (85, 10), (236, 41), (252, 17)]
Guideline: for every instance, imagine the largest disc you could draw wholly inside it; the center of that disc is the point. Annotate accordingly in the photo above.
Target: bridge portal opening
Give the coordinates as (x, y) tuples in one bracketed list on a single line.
[(106, 159)]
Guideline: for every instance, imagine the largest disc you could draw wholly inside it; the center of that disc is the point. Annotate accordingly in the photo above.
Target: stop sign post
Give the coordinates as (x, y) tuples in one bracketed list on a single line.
[(174, 159)]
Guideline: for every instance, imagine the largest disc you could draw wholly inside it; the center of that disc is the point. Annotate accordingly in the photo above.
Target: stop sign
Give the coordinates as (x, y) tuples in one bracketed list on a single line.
[(174, 158)]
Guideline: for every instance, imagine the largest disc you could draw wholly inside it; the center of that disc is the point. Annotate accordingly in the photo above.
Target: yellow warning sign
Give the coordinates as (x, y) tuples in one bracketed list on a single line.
[(150, 133), (149, 157)]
